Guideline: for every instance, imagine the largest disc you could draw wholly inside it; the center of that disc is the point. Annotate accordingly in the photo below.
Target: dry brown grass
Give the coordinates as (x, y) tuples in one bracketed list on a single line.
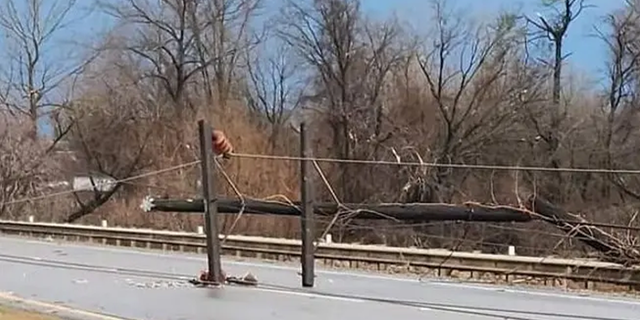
[(177, 143), (7, 313)]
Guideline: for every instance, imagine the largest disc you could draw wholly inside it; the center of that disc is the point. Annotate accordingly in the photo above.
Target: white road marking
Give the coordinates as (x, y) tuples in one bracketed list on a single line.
[(310, 295), (39, 304), (178, 255), (538, 293)]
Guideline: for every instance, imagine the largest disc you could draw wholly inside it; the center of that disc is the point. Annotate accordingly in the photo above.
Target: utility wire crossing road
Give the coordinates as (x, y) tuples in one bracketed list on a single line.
[(145, 285)]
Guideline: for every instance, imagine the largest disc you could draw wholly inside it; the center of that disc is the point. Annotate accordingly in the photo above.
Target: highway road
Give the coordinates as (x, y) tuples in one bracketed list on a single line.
[(110, 280)]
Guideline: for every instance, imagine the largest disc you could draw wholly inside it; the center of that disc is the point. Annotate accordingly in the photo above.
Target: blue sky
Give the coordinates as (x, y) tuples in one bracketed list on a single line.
[(588, 53)]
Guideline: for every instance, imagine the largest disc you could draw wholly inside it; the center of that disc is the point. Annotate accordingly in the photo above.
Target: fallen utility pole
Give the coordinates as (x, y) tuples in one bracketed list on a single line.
[(577, 227), (415, 212)]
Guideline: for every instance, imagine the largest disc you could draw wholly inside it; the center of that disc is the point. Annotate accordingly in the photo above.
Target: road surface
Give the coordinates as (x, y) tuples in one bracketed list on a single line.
[(107, 280)]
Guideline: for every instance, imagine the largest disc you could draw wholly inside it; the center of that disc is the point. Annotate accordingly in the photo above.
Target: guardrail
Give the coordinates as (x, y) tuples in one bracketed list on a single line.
[(570, 274)]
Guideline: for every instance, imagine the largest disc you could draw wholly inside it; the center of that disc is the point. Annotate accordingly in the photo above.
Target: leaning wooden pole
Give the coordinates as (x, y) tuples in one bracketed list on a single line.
[(210, 203), (306, 218)]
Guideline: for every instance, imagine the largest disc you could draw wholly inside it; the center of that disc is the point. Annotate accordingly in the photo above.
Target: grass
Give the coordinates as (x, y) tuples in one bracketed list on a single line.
[(15, 314)]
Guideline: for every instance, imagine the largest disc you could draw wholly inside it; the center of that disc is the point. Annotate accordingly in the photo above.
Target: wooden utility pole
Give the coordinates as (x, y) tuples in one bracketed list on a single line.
[(210, 205), (307, 225), (410, 212)]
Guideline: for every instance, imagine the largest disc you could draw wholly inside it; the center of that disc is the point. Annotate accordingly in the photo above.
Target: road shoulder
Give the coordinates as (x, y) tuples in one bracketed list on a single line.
[(17, 308)]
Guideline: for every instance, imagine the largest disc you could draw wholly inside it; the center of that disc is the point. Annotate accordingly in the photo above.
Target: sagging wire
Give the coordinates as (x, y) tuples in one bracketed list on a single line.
[(238, 193), (131, 178), (435, 165)]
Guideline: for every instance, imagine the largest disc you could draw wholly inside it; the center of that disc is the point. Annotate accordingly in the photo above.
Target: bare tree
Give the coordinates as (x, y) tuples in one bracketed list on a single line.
[(184, 41), (554, 30), (276, 86), (478, 83), (109, 139), (24, 171), (164, 42), (621, 111), (227, 36), (351, 59), (34, 72)]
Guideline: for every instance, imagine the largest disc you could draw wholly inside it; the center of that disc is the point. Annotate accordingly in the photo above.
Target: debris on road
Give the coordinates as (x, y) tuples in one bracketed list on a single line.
[(156, 284), (205, 280)]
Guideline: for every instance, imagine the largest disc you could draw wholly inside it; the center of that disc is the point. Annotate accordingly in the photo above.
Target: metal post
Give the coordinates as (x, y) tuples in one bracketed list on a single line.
[(210, 205), (306, 218)]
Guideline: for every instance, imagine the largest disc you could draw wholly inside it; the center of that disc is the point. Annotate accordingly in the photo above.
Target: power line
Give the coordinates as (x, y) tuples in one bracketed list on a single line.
[(459, 166), (67, 265), (131, 178), (435, 165)]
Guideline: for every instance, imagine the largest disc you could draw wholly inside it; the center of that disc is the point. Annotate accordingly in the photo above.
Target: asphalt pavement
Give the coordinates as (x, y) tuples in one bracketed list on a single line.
[(137, 284)]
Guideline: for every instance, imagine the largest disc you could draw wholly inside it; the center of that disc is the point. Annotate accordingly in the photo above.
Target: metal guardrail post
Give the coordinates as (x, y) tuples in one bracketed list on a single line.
[(210, 205), (307, 225)]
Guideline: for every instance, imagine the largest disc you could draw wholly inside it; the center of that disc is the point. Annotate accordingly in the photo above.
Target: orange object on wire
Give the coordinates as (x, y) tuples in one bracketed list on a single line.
[(221, 145)]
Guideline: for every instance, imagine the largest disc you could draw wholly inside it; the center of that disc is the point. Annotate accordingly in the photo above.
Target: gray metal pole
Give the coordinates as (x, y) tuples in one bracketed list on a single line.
[(307, 224), (210, 205)]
